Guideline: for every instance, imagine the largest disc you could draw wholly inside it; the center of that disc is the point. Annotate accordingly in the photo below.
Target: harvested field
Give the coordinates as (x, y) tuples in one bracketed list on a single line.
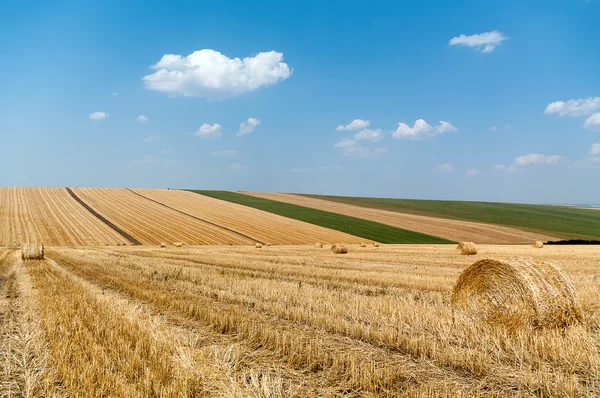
[(455, 230), (287, 321), (151, 223), (49, 216), (260, 225)]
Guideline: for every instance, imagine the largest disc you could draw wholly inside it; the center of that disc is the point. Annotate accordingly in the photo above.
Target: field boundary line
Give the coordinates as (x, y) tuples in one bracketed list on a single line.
[(194, 217), (124, 234)]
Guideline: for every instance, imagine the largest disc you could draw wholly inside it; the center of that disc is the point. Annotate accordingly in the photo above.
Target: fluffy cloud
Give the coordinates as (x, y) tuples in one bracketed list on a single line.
[(592, 122), (345, 143), (356, 124), (209, 131), (493, 128), (473, 172), (238, 166), (444, 168), (595, 150), (141, 119), (484, 42), (227, 153), (98, 115), (209, 74), (369, 135), (248, 126), (502, 168), (421, 130), (537, 158), (574, 107)]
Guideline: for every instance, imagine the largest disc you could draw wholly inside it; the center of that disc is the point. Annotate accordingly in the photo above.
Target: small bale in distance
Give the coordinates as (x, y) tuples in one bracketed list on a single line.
[(32, 251), (258, 245), (178, 244), (268, 244), (163, 244), (339, 249), (319, 245), (467, 248), (517, 293), (363, 245), (375, 244), (538, 244)]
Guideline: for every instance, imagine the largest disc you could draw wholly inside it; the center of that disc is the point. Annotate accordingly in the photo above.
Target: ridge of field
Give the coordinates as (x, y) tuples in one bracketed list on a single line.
[(456, 230), (560, 221), (282, 321), (50, 216), (151, 223), (260, 225), (375, 231)]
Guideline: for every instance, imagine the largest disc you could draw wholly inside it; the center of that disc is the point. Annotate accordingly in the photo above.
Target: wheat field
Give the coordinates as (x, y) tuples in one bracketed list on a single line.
[(282, 321)]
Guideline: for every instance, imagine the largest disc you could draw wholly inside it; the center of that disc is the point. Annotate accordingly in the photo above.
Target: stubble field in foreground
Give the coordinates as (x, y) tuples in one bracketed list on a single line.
[(279, 321)]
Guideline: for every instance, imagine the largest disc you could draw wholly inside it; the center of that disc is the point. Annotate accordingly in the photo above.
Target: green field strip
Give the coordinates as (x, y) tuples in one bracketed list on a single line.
[(560, 221), (351, 225)]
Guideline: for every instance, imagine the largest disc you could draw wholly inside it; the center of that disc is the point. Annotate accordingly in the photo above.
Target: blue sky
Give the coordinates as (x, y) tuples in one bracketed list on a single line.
[(470, 100)]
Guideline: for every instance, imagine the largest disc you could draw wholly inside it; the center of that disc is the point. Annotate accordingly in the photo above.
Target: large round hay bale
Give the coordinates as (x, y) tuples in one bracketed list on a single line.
[(32, 251), (339, 249), (538, 244), (517, 293), (319, 245), (467, 248), (258, 245)]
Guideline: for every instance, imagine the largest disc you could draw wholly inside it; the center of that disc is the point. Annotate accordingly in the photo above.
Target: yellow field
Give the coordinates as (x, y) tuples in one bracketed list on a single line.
[(281, 321), (454, 230)]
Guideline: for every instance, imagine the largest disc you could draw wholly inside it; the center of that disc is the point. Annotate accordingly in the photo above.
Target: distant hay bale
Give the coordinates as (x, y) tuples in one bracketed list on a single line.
[(467, 248), (538, 244), (339, 249), (163, 244), (375, 244), (258, 245), (517, 293), (319, 245), (363, 245), (178, 244), (268, 244), (32, 251)]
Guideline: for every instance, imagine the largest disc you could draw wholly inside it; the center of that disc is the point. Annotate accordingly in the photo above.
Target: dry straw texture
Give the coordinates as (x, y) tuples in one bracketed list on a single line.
[(319, 245), (32, 251), (339, 249), (538, 244), (467, 248), (517, 293)]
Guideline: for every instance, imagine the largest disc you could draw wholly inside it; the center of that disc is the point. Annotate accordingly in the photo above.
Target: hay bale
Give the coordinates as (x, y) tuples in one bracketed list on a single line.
[(375, 244), (258, 245), (363, 245), (339, 249), (467, 248), (163, 244), (32, 251), (319, 245), (517, 293), (538, 244), (178, 244), (268, 244)]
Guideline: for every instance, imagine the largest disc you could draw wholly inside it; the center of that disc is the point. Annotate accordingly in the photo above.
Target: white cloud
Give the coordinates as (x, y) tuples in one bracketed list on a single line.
[(592, 122), (115, 94), (363, 152), (356, 124), (248, 126), (98, 115), (150, 138), (226, 153), (500, 168), (473, 172), (421, 130), (537, 158), (345, 143), (209, 131), (595, 150), (369, 135), (209, 74), (444, 168), (493, 128), (238, 166), (574, 107), (141, 119), (484, 42)]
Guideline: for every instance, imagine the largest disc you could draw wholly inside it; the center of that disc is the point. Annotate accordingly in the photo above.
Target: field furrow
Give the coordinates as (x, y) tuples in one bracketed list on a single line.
[(454, 230)]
